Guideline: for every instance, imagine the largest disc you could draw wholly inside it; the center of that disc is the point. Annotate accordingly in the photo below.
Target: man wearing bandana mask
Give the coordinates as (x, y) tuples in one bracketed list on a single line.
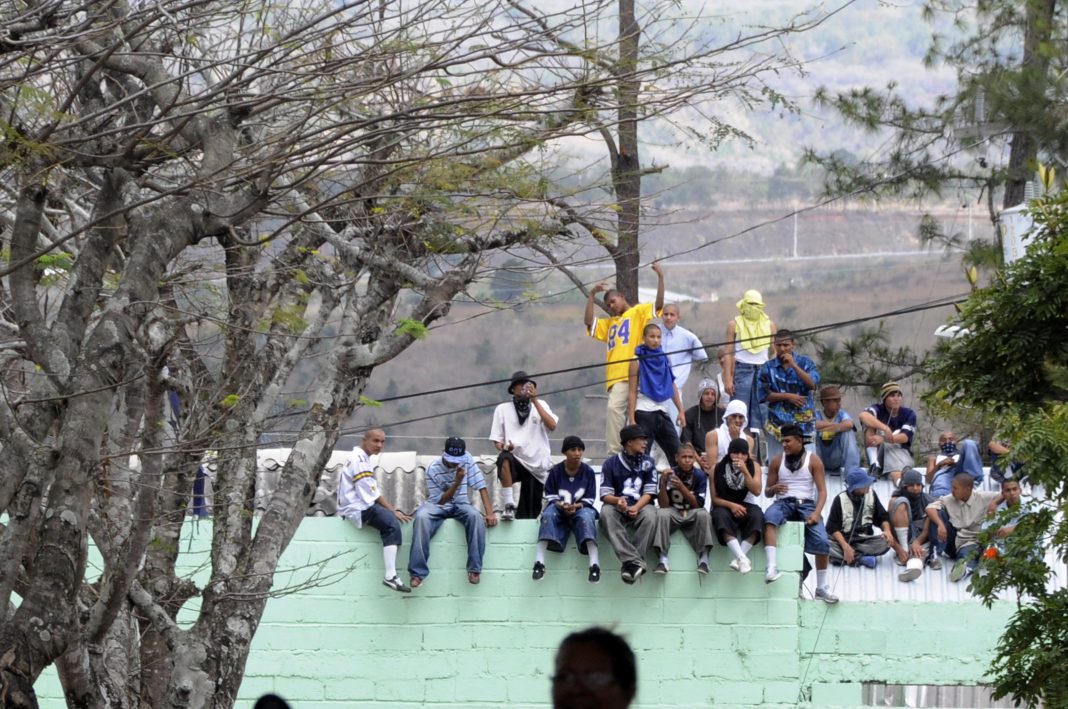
[(952, 458), (908, 515), (749, 339), (520, 430)]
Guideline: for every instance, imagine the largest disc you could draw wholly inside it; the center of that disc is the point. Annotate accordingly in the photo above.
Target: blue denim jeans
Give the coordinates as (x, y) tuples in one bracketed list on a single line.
[(969, 462), (949, 547), (428, 519), (745, 390), (840, 454), (790, 509), (556, 527), (378, 517)]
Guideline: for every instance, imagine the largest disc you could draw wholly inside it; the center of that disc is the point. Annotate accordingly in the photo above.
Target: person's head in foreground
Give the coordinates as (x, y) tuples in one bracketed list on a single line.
[(595, 669)]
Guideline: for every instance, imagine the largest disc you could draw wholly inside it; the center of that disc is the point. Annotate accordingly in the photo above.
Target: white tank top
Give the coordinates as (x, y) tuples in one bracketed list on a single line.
[(799, 483), (741, 354)]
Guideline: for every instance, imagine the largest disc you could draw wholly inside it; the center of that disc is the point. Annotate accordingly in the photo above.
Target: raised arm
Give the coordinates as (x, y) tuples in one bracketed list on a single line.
[(658, 305)]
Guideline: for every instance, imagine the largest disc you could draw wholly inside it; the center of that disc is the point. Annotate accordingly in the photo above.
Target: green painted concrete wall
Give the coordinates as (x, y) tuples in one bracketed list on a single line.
[(731, 641)]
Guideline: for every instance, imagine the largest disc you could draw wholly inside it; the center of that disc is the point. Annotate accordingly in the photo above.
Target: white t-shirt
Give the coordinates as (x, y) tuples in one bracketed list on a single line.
[(357, 488), (531, 440)]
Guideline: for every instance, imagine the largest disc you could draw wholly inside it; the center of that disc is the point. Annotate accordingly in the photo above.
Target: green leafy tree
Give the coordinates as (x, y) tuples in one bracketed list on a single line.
[(989, 135), (1012, 366)]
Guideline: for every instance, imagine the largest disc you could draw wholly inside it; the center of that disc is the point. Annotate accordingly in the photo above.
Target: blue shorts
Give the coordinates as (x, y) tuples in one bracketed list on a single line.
[(556, 527), (790, 509)]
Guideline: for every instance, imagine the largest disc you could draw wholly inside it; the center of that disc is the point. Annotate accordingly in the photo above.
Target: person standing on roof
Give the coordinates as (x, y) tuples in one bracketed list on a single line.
[(749, 341)]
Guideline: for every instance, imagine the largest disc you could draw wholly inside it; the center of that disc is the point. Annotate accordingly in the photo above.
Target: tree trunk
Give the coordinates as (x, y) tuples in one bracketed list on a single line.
[(1034, 70), (626, 168)]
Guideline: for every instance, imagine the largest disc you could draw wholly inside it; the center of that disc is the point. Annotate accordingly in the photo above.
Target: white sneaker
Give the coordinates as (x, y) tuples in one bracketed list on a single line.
[(772, 574), (825, 595), (744, 565), (734, 564)]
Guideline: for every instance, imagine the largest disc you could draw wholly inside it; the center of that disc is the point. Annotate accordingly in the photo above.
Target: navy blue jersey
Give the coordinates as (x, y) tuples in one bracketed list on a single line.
[(562, 487), (697, 482), (620, 479)]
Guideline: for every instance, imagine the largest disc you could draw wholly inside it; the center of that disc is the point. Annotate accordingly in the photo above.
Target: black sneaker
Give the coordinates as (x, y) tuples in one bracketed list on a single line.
[(875, 470), (539, 571), (638, 571), (595, 574), (626, 572)]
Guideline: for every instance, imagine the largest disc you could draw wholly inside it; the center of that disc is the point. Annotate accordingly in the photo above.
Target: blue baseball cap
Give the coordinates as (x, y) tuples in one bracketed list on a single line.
[(455, 448)]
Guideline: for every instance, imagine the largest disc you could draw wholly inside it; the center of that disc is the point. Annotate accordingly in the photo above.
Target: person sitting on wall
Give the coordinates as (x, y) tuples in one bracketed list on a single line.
[(681, 497), (1006, 514), (628, 487), (703, 417), (520, 431), (836, 434), (737, 521), (855, 515), (359, 502), (888, 431), (735, 422), (448, 480), (570, 491), (958, 518), (952, 458), (796, 480), (908, 515), (594, 668), (650, 389)]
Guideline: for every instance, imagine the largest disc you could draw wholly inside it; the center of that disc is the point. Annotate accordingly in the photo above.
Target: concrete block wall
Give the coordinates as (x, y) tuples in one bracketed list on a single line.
[(725, 640)]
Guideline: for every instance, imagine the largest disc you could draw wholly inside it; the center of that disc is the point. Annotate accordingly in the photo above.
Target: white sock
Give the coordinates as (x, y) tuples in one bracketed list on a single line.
[(506, 493), (771, 553), (873, 455), (703, 558), (389, 559), (543, 546), (821, 578), (663, 559), (746, 546), (902, 534), (591, 549), (736, 548)]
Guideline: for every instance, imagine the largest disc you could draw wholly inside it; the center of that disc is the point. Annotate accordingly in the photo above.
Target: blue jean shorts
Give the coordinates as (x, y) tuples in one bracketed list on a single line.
[(556, 527), (791, 509)]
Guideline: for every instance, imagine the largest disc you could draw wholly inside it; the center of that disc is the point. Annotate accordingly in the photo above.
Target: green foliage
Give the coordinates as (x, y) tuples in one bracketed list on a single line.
[(412, 328), (866, 361), (1011, 371), (230, 401), (366, 401)]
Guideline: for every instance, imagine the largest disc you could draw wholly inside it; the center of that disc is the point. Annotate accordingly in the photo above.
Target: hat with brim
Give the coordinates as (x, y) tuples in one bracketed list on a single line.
[(831, 391), (520, 377), (629, 433), (455, 450), (857, 479)]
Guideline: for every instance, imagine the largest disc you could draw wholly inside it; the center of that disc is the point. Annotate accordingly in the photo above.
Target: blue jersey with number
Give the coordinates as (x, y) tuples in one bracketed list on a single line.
[(620, 479)]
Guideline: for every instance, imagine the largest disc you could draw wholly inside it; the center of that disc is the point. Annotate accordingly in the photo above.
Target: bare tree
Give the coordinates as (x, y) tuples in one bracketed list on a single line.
[(199, 196)]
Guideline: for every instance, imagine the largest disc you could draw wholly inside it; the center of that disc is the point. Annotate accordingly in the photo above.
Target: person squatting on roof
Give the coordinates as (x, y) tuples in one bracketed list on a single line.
[(520, 431), (359, 502), (888, 431), (836, 434), (570, 491), (855, 516), (622, 333)]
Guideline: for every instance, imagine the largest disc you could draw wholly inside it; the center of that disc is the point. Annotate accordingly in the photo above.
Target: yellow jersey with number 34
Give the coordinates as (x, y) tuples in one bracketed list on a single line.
[(621, 334)]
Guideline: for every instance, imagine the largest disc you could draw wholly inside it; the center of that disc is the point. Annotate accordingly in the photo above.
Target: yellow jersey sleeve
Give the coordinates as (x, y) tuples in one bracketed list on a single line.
[(623, 334)]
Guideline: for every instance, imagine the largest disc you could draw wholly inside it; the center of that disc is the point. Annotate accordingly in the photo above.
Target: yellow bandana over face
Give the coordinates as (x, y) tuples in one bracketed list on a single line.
[(753, 326)]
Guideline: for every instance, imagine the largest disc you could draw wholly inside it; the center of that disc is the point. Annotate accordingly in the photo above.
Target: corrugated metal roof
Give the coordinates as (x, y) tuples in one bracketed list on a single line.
[(400, 477)]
